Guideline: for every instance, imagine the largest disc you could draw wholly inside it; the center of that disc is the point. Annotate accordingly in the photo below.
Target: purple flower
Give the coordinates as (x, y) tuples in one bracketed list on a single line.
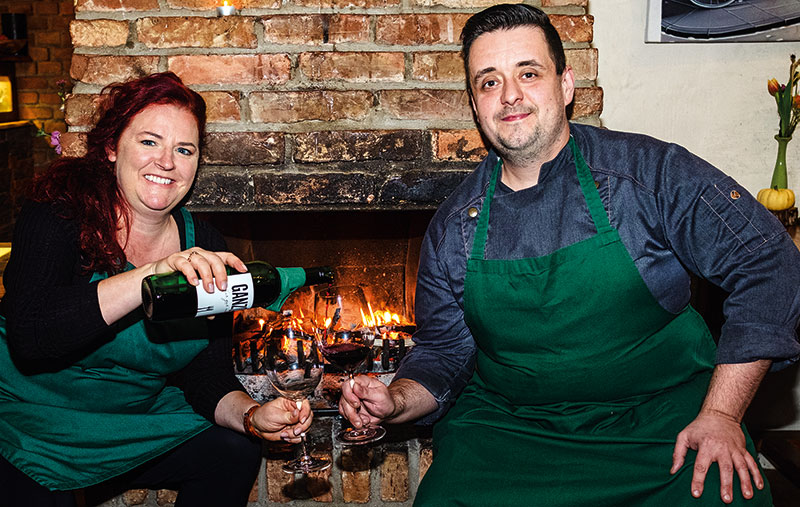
[(55, 141)]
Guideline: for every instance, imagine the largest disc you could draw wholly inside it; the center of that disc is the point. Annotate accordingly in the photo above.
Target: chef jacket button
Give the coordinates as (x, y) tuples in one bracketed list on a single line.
[(472, 212), (735, 195)]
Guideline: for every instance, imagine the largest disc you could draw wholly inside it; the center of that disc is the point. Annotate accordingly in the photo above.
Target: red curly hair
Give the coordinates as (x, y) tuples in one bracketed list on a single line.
[(86, 187)]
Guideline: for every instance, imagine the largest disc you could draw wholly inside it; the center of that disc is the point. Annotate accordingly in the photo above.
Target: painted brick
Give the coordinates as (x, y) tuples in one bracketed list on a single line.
[(201, 5), (355, 474), (54, 124), (426, 104), (98, 32), (588, 102), (278, 481), (270, 69), (560, 3), (344, 4), (394, 477), (294, 29), (280, 190), (442, 66), (458, 145), (259, 4), (102, 70), (166, 497), (135, 496), (455, 4), (43, 7), (356, 67), (48, 68), (25, 69), (31, 83), (50, 99), (47, 38), (28, 97), (222, 188), (253, 496), (583, 63), (413, 29), (176, 32), (341, 145), (73, 144), (243, 148), (290, 107), (34, 112), (574, 28), (425, 460), (66, 6), (222, 107), (348, 28), (115, 5), (38, 54), (427, 188)]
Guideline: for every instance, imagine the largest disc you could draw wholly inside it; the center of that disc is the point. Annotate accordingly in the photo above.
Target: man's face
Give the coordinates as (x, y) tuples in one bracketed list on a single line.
[(518, 99)]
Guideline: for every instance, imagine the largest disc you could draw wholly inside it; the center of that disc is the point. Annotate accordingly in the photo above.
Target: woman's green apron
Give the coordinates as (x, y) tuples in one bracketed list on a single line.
[(105, 414), (582, 382)]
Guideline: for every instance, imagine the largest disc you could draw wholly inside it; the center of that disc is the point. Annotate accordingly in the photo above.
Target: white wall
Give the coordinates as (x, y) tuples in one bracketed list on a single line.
[(711, 98)]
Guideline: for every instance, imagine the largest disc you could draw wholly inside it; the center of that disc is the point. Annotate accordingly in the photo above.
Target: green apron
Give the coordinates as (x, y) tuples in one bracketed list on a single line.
[(582, 382), (108, 412)]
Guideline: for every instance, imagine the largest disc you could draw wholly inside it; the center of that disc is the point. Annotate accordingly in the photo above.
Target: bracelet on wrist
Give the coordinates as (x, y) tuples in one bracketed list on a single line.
[(247, 422)]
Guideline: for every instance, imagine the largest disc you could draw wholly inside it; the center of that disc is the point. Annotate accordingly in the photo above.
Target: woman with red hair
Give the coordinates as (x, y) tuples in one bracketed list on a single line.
[(91, 393)]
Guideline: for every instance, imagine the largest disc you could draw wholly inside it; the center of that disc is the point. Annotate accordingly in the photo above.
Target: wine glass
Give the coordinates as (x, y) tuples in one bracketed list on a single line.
[(295, 369), (345, 330)]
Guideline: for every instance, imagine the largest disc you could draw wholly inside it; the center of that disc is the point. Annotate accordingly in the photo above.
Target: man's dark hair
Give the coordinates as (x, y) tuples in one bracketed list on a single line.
[(505, 17)]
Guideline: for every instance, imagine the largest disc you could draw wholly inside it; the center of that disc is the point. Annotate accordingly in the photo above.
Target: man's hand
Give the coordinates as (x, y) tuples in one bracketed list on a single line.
[(716, 433), (717, 438), (366, 402)]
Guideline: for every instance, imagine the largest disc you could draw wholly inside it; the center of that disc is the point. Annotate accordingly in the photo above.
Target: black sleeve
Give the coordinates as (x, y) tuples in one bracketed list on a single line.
[(52, 310), (210, 376)]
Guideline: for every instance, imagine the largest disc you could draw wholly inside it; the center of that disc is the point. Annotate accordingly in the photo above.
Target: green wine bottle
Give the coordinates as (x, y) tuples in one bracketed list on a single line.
[(170, 296)]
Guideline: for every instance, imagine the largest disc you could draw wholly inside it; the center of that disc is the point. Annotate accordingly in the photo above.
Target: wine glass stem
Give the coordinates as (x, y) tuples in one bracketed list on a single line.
[(303, 445)]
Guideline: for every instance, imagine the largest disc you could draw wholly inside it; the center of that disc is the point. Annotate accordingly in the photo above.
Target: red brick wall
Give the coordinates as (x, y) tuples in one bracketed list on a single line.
[(303, 87), (50, 51)]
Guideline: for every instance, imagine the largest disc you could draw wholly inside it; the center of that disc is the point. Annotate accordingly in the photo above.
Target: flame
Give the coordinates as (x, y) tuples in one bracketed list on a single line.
[(261, 323), (225, 3)]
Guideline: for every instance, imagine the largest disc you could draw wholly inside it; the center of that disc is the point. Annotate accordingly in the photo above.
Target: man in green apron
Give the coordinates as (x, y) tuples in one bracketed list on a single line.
[(555, 346)]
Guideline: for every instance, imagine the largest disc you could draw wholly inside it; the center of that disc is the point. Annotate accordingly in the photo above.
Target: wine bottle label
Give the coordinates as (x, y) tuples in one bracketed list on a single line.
[(238, 296)]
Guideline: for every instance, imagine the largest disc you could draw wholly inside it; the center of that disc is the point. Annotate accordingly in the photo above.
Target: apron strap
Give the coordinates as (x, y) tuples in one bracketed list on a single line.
[(188, 227), (481, 230), (589, 189)]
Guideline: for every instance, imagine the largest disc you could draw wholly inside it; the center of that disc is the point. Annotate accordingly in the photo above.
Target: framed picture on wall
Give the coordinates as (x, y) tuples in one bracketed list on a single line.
[(723, 21)]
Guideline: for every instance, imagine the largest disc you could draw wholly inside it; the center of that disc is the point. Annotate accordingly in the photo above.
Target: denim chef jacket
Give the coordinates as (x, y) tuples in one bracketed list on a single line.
[(675, 214)]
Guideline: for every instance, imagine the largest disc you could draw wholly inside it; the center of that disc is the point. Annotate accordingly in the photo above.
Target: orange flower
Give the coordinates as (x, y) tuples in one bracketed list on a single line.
[(796, 102), (773, 86)]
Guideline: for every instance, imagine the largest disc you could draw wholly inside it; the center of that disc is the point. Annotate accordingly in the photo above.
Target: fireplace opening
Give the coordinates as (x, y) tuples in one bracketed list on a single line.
[(376, 250)]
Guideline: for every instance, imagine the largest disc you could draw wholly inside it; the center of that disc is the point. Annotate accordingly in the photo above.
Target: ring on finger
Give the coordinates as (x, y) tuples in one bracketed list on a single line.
[(189, 258)]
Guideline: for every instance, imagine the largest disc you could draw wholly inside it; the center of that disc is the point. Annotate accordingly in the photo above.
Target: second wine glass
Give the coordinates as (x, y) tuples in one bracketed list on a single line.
[(345, 331)]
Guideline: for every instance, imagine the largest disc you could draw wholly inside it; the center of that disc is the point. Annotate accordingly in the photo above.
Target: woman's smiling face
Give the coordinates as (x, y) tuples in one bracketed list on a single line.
[(156, 158)]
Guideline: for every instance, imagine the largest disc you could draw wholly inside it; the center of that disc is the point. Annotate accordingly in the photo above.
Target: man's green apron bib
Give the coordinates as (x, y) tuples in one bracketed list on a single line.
[(582, 382), (105, 414)]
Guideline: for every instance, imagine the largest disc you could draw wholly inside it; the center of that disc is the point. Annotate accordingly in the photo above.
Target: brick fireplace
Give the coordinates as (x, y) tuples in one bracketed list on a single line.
[(335, 128)]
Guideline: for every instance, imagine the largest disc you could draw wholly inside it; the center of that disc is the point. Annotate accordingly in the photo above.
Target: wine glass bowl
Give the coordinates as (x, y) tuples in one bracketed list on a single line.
[(295, 369), (345, 330)]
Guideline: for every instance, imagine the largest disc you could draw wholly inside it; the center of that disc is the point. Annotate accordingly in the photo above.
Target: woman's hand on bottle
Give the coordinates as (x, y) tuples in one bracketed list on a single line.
[(199, 265), (280, 419)]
